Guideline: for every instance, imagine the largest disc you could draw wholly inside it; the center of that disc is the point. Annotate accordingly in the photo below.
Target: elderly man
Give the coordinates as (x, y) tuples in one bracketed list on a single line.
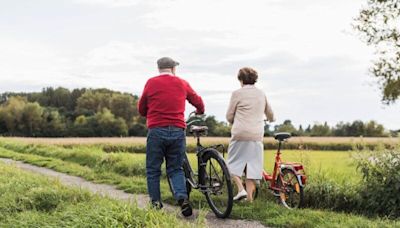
[(163, 104)]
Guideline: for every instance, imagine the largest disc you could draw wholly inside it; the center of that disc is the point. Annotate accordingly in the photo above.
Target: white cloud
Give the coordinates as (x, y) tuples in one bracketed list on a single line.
[(109, 3), (24, 62), (305, 28), (120, 53)]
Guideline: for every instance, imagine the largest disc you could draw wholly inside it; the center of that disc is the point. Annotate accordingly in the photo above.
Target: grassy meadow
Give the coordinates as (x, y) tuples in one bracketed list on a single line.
[(191, 140), (331, 175), (31, 200)]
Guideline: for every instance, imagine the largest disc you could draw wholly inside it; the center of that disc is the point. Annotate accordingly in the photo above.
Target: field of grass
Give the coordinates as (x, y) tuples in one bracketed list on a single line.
[(191, 140), (30, 200), (137, 144), (333, 164), (126, 171)]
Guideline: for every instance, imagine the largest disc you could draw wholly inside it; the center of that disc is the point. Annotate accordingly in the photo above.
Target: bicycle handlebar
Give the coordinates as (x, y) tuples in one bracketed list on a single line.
[(194, 117)]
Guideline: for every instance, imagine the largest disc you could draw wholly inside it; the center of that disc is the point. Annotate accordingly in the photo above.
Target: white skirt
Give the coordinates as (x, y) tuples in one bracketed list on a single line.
[(246, 153)]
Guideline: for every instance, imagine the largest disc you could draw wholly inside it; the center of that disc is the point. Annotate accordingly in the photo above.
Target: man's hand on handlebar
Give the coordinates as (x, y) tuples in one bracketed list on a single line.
[(197, 115), (195, 118)]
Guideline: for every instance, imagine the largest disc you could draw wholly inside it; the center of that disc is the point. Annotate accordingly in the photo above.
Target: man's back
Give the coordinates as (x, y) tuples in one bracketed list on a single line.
[(163, 101)]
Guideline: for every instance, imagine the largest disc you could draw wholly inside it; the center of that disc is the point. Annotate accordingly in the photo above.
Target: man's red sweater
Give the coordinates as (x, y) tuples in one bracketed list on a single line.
[(163, 101)]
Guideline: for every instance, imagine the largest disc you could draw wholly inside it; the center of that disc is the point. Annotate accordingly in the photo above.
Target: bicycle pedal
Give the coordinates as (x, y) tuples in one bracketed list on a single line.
[(216, 185), (276, 194)]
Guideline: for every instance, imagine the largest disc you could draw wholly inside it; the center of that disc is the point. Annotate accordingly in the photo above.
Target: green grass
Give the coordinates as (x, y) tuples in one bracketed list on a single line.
[(275, 215), (336, 165), (30, 200), (126, 171)]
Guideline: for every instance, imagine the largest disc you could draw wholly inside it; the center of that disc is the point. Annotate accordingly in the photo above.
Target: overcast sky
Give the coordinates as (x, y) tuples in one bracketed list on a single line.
[(312, 66)]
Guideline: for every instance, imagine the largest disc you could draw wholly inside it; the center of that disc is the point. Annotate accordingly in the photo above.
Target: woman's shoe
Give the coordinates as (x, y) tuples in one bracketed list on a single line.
[(241, 195)]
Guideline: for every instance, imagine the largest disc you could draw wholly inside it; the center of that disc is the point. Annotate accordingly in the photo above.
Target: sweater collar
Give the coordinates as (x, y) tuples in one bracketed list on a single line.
[(166, 73)]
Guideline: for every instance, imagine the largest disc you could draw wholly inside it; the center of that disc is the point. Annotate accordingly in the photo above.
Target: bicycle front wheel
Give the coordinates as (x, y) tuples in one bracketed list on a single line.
[(217, 184)]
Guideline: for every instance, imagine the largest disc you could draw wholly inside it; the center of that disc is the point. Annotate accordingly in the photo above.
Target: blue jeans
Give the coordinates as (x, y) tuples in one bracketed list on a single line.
[(168, 143)]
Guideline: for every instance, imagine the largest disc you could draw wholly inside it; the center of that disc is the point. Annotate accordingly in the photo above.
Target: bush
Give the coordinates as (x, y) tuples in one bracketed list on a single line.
[(380, 193), (322, 192)]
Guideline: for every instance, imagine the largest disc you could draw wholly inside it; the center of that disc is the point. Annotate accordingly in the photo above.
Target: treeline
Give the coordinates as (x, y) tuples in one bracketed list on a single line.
[(356, 128), (60, 112)]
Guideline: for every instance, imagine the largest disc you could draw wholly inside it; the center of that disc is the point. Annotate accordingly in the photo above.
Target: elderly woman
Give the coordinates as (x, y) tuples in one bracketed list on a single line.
[(246, 111)]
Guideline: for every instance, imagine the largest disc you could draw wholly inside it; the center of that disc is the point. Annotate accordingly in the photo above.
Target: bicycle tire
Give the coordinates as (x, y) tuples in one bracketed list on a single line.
[(214, 184), (293, 189)]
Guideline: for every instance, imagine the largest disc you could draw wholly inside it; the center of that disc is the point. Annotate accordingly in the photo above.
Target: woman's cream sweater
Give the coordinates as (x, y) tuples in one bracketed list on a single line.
[(246, 111)]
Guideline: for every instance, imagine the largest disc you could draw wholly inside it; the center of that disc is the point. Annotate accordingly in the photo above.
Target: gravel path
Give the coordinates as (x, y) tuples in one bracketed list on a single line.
[(111, 191)]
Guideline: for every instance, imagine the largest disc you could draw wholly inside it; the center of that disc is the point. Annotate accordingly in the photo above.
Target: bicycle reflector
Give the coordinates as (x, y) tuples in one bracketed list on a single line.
[(298, 167), (303, 179)]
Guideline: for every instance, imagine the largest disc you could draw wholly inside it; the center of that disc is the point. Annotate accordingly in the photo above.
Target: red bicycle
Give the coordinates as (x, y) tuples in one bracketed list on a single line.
[(288, 179)]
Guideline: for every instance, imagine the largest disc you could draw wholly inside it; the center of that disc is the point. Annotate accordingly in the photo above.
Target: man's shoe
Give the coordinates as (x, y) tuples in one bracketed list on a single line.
[(157, 205), (186, 207), (241, 195)]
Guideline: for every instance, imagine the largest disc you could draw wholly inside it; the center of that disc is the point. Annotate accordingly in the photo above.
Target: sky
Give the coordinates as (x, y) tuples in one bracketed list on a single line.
[(311, 64)]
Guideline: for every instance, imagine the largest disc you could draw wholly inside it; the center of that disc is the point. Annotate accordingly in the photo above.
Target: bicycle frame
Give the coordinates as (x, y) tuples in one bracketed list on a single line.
[(279, 166), (200, 150), (191, 175)]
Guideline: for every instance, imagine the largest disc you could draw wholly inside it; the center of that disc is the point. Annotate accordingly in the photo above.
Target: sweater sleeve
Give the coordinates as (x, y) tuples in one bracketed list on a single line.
[(230, 113), (194, 99), (142, 104), (268, 111)]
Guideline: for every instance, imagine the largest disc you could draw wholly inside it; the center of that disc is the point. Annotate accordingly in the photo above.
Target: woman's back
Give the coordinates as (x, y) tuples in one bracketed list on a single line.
[(246, 112)]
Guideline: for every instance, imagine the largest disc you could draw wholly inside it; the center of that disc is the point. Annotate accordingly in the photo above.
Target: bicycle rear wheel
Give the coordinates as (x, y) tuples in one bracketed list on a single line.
[(291, 194), (217, 184)]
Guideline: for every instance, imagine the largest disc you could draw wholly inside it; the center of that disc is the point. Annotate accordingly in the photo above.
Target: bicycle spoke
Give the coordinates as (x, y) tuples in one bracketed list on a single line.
[(290, 194), (217, 189)]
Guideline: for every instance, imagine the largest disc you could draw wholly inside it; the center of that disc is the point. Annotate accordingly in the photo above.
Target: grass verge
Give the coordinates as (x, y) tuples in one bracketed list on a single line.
[(30, 200), (263, 209)]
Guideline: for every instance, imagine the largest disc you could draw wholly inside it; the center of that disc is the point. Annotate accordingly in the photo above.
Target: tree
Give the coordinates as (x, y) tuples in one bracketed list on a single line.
[(267, 130), (138, 127), (378, 24), (12, 114), (31, 120), (3, 127), (373, 129), (123, 106), (75, 94), (300, 132), (287, 126), (308, 130), (53, 124), (356, 128), (91, 102), (84, 126), (320, 130), (108, 125), (341, 129), (211, 123), (222, 129)]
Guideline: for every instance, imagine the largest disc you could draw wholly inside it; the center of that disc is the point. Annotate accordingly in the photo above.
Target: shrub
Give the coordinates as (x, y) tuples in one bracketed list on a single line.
[(380, 192)]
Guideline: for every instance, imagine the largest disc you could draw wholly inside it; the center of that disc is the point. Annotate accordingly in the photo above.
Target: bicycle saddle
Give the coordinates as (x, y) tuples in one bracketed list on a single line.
[(282, 136), (198, 129)]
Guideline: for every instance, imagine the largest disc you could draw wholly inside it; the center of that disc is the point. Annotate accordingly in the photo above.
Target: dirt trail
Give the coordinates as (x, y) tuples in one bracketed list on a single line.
[(111, 191)]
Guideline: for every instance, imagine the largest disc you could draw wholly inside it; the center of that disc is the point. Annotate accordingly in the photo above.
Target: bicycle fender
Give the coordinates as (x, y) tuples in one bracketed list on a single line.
[(298, 176)]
